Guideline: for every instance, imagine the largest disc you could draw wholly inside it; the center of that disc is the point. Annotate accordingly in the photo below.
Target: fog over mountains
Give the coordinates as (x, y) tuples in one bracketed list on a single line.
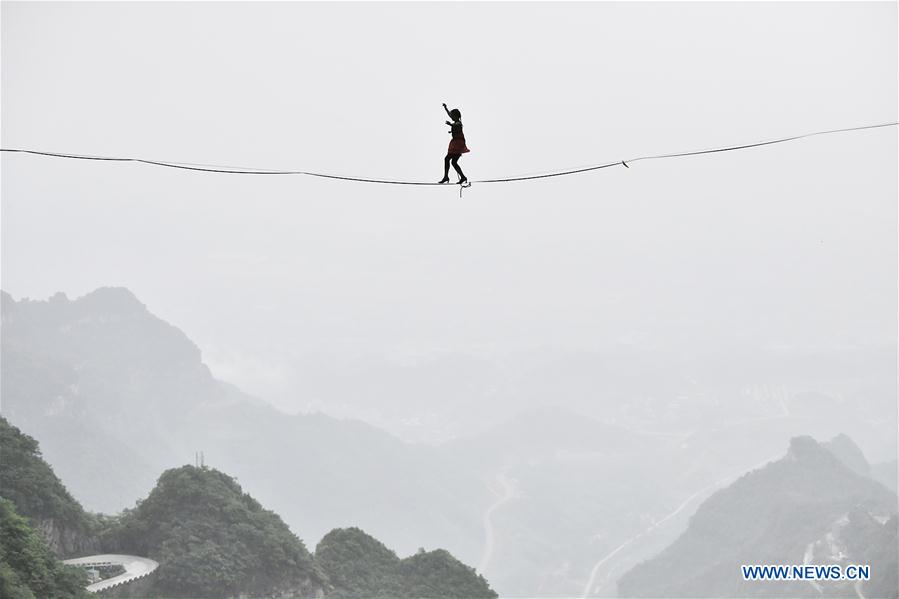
[(557, 498), (614, 381), (809, 507), (116, 395), (210, 537)]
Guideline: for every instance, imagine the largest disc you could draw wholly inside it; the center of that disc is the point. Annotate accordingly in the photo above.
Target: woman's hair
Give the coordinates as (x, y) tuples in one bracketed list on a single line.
[(454, 113)]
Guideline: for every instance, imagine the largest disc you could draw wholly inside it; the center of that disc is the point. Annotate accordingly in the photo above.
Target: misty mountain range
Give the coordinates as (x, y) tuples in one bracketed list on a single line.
[(116, 395), (209, 538), (809, 507), (547, 502)]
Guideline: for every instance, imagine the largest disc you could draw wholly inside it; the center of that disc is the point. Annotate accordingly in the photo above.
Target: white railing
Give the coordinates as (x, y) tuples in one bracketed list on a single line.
[(136, 568)]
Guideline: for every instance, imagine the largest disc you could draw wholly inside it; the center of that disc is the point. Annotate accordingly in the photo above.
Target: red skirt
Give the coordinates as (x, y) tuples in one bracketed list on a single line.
[(457, 146)]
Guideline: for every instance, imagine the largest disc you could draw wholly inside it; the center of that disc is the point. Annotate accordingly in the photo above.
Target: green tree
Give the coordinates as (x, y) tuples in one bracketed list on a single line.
[(28, 568), (359, 566), (211, 539), (29, 482)]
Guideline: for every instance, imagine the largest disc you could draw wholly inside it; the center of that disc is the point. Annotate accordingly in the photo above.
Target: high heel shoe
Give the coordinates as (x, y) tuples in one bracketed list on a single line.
[(463, 179), (444, 180)]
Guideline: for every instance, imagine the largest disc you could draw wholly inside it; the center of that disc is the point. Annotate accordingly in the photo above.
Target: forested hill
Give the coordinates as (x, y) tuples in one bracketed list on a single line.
[(39, 521), (360, 567), (35, 491), (28, 568), (116, 395), (213, 540), (808, 507), (210, 538)]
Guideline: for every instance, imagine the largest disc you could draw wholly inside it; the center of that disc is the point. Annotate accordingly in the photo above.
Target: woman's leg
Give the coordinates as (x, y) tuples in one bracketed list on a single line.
[(455, 161), (446, 165)]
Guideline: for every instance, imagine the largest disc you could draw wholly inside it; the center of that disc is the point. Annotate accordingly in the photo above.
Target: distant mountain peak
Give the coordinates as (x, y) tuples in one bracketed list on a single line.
[(769, 516), (839, 452), (805, 448), (117, 300), (108, 301), (101, 343), (846, 450)]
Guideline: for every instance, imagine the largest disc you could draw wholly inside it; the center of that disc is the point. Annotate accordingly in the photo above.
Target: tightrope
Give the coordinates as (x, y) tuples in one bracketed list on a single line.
[(233, 170)]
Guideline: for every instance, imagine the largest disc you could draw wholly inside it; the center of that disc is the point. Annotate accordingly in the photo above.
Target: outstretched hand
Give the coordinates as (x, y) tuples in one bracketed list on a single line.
[(444, 104)]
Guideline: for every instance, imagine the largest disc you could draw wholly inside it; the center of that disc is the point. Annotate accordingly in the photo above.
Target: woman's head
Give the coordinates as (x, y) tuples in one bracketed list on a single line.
[(455, 114)]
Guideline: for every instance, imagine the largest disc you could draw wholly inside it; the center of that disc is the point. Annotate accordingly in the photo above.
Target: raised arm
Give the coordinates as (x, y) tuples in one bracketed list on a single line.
[(447, 110)]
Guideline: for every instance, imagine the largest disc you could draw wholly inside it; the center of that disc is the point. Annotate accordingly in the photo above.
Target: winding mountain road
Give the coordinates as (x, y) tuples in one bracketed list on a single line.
[(591, 581), (588, 588), (135, 568), (507, 493)]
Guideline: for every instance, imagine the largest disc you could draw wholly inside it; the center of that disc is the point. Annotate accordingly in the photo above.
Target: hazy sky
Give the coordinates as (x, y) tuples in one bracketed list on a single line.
[(789, 245)]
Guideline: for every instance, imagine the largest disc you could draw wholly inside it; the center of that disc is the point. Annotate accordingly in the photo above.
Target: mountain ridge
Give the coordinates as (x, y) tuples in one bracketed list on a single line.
[(118, 395), (767, 516), (210, 537)]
